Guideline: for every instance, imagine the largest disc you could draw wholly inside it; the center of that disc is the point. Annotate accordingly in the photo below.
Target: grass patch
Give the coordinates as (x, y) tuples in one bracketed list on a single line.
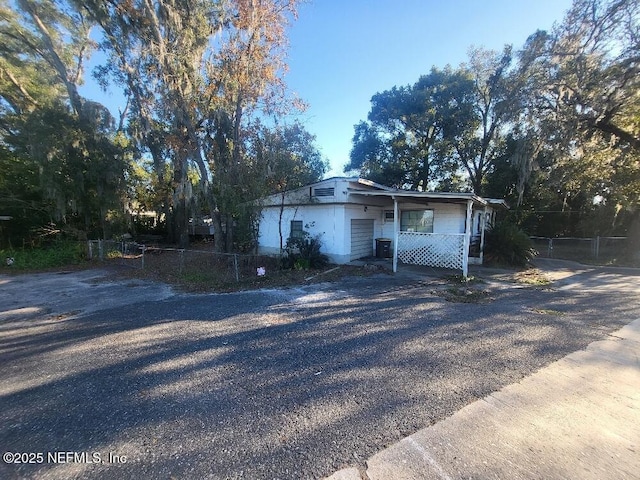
[(198, 277), (58, 255)]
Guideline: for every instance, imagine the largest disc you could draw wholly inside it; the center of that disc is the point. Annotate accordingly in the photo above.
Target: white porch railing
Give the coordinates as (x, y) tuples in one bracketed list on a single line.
[(444, 250)]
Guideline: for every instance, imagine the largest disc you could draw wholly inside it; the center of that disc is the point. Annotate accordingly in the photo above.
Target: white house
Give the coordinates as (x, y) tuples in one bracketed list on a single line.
[(353, 216)]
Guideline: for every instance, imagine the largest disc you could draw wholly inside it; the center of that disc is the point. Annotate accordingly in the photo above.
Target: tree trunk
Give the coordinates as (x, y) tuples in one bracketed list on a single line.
[(229, 233), (180, 204)]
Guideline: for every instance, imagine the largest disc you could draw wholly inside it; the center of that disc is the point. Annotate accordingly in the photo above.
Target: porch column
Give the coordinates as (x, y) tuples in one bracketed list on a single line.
[(467, 240), (395, 234), (482, 229)]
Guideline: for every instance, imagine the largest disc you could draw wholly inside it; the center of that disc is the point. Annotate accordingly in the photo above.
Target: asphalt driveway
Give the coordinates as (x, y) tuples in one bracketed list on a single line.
[(131, 380)]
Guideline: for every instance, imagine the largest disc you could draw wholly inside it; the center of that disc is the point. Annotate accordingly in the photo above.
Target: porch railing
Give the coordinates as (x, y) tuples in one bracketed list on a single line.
[(443, 250)]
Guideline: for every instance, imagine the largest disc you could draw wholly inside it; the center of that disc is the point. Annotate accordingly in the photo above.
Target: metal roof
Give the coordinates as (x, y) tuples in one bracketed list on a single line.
[(433, 196)]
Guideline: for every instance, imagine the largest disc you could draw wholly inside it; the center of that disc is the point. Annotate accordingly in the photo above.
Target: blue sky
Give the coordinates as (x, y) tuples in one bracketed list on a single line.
[(342, 52)]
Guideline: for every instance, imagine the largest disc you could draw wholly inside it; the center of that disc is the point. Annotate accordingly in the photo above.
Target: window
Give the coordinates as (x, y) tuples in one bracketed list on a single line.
[(420, 221), (296, 229), (388, 215)]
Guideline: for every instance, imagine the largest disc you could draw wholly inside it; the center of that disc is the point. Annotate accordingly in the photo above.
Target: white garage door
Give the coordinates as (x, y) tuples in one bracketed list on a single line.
[(361, 238)]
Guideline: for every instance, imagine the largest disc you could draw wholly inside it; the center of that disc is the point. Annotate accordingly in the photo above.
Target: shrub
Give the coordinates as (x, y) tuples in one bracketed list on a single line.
[(507, 244), (304, 253)]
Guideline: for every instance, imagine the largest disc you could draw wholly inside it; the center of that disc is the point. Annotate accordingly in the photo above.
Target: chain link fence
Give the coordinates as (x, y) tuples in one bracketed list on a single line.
[(605, 250), (191, 265)]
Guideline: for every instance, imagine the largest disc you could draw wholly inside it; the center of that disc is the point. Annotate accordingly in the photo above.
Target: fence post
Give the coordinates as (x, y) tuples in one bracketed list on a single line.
[(90, 249), (100, 250), (235, 265), (597, 252), (550, 249), (143, 249), (181, 260)]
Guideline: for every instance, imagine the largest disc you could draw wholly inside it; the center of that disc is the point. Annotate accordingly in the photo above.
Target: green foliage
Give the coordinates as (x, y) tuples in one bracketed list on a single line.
[(405, 142), (59, 160), (507, 244), (68, 169), (287, 157), (58, 254), (304, 253), (450, 121), (553, 129)]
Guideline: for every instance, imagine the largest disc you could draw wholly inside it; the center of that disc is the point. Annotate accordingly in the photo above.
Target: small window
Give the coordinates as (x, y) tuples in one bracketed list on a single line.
[(296, 229), (324, 192), (420, 221), (388, 215)]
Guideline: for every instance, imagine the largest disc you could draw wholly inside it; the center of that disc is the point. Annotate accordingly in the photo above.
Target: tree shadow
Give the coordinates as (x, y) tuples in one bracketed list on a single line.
[(263, 385)]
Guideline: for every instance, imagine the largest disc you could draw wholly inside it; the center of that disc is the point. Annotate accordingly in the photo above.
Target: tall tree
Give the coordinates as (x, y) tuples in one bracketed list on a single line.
[(284, 158), (585, 73), (192, 68), (247, 73), (46, 124), (581, 90), (446, 127), (53, 32), (404, 143), (480, 142)]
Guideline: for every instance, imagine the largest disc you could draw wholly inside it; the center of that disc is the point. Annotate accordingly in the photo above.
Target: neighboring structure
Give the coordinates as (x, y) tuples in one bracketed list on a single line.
[(438, 229)]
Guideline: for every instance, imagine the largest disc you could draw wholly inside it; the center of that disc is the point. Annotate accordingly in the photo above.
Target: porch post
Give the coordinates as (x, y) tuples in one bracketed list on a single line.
[(395, 234), (467, 240), (483, 227)]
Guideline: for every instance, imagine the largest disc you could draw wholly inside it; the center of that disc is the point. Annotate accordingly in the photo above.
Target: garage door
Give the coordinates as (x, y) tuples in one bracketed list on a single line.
[(361, 238)]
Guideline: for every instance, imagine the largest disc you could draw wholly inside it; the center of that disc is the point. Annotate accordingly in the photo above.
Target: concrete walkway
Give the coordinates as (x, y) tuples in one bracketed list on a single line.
[(578, 418)]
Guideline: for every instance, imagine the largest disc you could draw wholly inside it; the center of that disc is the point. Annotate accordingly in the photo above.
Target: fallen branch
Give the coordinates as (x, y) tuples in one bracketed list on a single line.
[(321, 273)]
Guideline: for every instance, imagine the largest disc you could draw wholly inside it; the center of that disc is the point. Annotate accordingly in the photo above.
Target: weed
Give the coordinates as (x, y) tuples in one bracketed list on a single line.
[(464, 295), (459, 279)]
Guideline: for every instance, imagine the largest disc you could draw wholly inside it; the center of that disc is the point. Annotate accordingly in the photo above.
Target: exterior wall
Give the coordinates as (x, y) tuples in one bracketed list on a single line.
[(449, 218), (328, 221), (331, 222)]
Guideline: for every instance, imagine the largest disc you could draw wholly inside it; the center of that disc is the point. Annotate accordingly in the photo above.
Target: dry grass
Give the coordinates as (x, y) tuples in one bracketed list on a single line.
[(202, 281), (532, 276)]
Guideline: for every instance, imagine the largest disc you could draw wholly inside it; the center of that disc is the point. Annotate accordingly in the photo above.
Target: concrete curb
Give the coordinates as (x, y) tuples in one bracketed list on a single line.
[(576, 418)]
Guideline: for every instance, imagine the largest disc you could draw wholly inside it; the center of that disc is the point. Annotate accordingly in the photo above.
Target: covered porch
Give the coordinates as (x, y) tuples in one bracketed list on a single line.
[(435, 229)]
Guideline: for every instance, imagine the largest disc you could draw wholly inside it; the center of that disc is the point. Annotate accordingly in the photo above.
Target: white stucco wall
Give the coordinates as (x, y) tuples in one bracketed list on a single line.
[(331, 222), (324, 220)]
